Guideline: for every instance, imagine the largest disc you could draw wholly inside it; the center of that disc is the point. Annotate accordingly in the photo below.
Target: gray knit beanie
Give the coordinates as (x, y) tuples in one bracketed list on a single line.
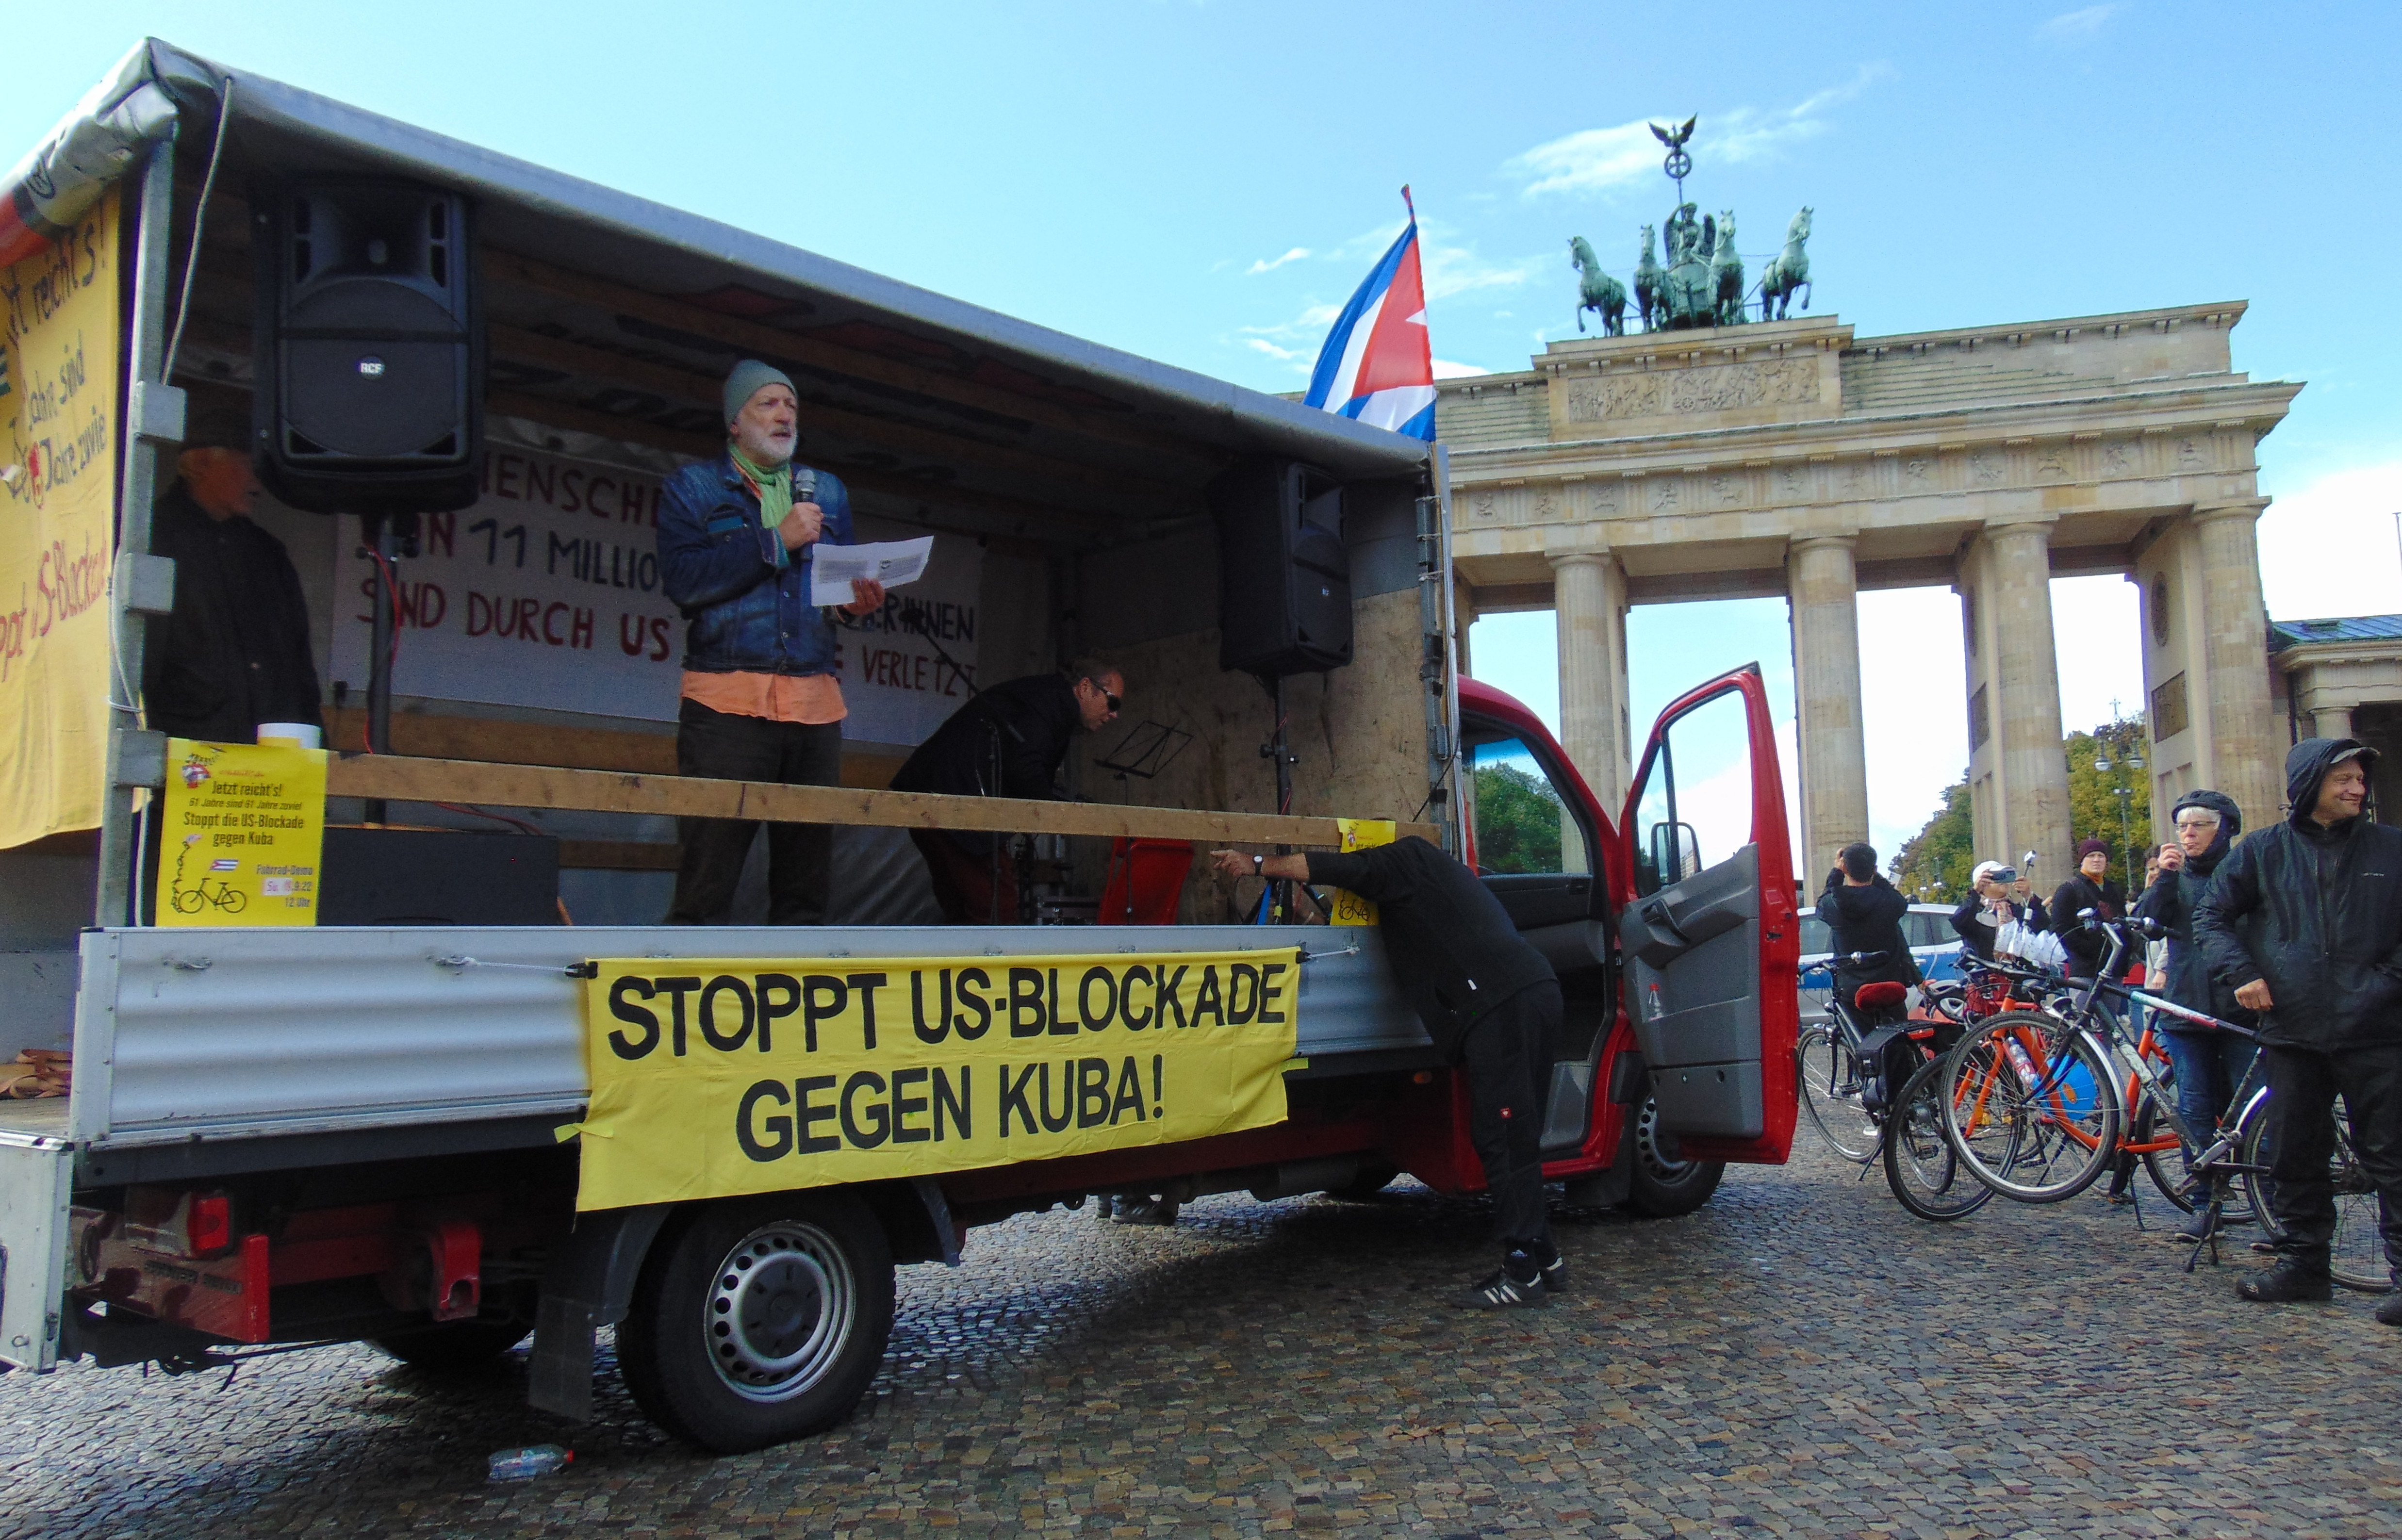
[(746, 381)]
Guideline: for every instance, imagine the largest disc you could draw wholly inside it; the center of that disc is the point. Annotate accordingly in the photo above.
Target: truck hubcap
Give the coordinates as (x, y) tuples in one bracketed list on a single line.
[(1647, 1147), (779, 1311)]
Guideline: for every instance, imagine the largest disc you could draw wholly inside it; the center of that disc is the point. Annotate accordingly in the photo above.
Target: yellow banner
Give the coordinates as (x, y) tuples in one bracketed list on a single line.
[(712, 1079), (241, 833), (58, 499), (1359, 834)]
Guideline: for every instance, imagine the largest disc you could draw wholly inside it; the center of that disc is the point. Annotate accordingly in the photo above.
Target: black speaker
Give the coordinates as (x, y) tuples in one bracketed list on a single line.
[(1284, 575), (370, 347)]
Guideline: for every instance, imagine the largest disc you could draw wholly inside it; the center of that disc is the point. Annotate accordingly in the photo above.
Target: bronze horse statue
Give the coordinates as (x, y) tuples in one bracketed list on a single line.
[(1726, 269), (1650, 286), (1596, 290), (1788, 270)]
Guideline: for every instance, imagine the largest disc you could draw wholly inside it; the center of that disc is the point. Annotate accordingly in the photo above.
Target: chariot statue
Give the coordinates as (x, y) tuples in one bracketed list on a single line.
[(1697, 279)]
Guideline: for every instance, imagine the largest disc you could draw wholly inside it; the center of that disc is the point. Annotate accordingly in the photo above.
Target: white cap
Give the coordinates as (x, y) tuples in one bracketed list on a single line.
[(1984, 870)]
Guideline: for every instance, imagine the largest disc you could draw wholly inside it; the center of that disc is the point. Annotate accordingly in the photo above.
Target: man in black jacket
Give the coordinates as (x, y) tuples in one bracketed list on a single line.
[(2305, 920), (1008, 742), (2208, 1064), (1863, 914), (1488, 1000), (236, 651), (2090, 886)]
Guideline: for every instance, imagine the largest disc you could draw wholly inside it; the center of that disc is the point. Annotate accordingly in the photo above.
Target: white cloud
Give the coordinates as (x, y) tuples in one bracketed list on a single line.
[(2330, 548), (1268, 266), (1599, 161), (1263, 345), (2075, 26), (1445, 369)]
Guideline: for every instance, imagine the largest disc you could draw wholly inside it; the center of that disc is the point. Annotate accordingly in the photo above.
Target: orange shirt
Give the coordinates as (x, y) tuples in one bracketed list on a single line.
[(812, 698)]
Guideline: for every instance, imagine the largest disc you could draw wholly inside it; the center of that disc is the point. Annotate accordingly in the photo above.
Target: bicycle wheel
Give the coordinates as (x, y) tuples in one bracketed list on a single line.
[(1831, 1076), (2356, 1250), (233, 900), (2031, 1108), (1926, 1176), (2166, 1165)]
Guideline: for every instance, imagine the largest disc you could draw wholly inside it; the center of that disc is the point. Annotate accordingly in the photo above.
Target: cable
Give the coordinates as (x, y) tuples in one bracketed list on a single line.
[(199, 224)]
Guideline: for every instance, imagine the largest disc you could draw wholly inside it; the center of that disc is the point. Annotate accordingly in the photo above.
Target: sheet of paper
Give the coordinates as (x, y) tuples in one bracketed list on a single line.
[(891, 563)]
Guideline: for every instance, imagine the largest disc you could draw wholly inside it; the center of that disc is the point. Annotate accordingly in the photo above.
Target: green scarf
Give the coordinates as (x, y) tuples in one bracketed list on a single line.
[(775, 490)]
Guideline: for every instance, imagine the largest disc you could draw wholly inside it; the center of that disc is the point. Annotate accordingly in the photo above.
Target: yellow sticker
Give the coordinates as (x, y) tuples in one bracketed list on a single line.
[(1360, 834), (242, 833), (712, 1079)]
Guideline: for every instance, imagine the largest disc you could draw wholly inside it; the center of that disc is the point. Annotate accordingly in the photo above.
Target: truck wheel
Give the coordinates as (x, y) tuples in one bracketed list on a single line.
[(454, 1346), (1662, 1187), (1372, 1178), (759, 1320)]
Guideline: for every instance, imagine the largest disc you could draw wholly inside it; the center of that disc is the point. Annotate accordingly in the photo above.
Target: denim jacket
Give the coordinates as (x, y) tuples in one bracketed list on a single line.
[(717, 562)]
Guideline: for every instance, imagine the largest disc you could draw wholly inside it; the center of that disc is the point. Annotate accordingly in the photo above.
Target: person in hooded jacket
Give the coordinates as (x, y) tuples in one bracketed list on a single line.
[(2090, 886), (2209, 1064), (2305, 920)]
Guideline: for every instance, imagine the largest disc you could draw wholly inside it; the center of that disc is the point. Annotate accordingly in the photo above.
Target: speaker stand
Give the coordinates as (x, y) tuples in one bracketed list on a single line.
[(1278, 749), (383, 542)]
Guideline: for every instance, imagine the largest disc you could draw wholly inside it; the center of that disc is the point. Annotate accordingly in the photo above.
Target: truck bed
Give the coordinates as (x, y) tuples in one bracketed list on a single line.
[(424, 1039)]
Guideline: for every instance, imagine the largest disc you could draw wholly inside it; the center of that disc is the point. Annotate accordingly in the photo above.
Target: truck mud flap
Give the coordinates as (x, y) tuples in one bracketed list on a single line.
[(588, 1285), (35, 1181)]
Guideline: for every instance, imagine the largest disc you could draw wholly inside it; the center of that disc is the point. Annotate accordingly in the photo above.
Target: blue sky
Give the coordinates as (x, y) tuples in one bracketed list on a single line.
[(1203, 182)]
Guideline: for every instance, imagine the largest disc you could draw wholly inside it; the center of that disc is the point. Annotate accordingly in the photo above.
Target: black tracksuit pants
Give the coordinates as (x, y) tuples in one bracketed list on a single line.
[(2302, 1087), (1503, 1053)]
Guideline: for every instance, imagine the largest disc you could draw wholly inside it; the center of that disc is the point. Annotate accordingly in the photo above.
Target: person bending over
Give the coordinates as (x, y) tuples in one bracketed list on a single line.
[(1489, 1001)]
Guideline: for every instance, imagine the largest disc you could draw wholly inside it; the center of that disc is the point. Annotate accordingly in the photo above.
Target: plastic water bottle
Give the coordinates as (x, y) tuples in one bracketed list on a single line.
[(524, 1464)]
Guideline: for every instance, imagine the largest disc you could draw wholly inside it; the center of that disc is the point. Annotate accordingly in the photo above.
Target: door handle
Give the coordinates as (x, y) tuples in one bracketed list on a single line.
[(1580, 885), (1655, 914)]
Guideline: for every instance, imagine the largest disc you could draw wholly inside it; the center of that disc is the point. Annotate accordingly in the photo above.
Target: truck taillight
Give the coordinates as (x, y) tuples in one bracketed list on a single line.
[(207, 1227)]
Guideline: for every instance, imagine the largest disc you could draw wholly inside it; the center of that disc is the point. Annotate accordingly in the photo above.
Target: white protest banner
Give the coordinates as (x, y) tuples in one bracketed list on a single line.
[(545, 593)]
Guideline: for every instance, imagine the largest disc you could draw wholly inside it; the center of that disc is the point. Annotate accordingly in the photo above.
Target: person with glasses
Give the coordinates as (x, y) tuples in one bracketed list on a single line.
[(2208, 1064), (1008, 741)]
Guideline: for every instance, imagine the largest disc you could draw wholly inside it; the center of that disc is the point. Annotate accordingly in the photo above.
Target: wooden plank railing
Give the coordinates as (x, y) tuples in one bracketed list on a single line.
[(399, 778)]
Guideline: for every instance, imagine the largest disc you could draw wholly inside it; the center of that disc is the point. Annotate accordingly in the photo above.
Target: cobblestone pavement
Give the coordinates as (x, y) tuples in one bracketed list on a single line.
[(1799, 1357)]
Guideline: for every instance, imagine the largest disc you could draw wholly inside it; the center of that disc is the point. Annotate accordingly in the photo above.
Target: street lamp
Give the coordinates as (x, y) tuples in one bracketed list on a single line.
[(2126, 798)]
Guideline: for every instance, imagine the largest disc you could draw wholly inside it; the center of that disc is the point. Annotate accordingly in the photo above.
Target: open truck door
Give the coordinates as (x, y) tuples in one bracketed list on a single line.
[(1707, 927)]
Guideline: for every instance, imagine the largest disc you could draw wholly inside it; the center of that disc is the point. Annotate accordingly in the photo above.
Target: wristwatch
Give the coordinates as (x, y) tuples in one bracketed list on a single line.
[(1258, 861)]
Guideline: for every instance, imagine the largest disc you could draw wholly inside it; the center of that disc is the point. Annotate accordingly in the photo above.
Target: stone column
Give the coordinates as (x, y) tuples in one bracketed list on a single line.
[(1825, 594), (2246, 751), (1463, 615), (1589, 594), (2026, 699), (2329, 722)]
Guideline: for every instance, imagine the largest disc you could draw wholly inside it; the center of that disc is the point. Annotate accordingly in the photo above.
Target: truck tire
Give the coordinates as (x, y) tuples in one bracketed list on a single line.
[(759, 1320), (454, 1346), (1372, 1178), (1660, 1187)]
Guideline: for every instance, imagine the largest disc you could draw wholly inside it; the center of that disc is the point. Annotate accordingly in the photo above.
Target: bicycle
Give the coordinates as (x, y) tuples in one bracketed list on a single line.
[(1833, 1077), (2034, 1107)]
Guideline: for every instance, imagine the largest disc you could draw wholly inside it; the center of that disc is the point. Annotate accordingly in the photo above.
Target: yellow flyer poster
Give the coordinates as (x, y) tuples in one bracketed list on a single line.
[(242, 831), (58, 499), (1360, 834)]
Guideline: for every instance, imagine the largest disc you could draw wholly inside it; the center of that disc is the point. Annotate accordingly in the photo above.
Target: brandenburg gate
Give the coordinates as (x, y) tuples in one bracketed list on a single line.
[(1791, 458)]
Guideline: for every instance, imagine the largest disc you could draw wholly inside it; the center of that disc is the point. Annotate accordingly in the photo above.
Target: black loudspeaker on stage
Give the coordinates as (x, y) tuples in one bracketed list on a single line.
[(1284, 574), (370, 371)]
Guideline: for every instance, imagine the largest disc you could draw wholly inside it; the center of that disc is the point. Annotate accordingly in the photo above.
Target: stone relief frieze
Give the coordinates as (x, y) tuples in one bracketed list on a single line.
[(1713, 388)]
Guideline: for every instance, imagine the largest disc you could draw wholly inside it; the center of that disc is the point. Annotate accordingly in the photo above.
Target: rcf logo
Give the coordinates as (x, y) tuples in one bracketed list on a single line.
[(196, 770)]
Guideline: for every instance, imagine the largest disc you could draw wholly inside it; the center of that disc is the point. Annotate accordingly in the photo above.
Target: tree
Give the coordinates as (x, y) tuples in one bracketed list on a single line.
[(1517, 820), (1933, 865), (1935, 862), (2092, 794)]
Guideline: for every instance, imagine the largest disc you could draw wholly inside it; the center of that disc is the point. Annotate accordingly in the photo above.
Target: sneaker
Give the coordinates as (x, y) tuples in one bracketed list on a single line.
[(2287, 1280), (2389, 1311), (2197, 1229), (1146, 1211), (1548, 1261), (1504, 1292)]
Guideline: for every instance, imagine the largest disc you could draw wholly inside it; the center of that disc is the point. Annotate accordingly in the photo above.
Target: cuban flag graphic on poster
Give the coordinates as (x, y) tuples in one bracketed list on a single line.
[(1377, 366)]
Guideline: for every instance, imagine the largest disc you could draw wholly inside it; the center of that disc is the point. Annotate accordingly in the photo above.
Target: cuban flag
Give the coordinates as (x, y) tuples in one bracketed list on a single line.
[(1377, 366)]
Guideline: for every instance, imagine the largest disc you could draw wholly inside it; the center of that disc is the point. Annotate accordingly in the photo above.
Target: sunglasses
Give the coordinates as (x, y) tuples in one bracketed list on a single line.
[(1114, 701)]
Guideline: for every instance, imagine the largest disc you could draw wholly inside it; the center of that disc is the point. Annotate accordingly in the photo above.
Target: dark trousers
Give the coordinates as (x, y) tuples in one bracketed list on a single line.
[(965, 883), (1502, 1051), (800, 856), (2302, 1087)]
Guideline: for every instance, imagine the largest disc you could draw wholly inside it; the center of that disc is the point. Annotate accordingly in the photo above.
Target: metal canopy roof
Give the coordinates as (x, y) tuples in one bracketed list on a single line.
[(612, 314)]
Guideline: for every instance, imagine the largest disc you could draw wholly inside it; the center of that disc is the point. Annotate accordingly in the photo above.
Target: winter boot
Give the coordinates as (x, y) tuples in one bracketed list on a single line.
[(2290, 1279)]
